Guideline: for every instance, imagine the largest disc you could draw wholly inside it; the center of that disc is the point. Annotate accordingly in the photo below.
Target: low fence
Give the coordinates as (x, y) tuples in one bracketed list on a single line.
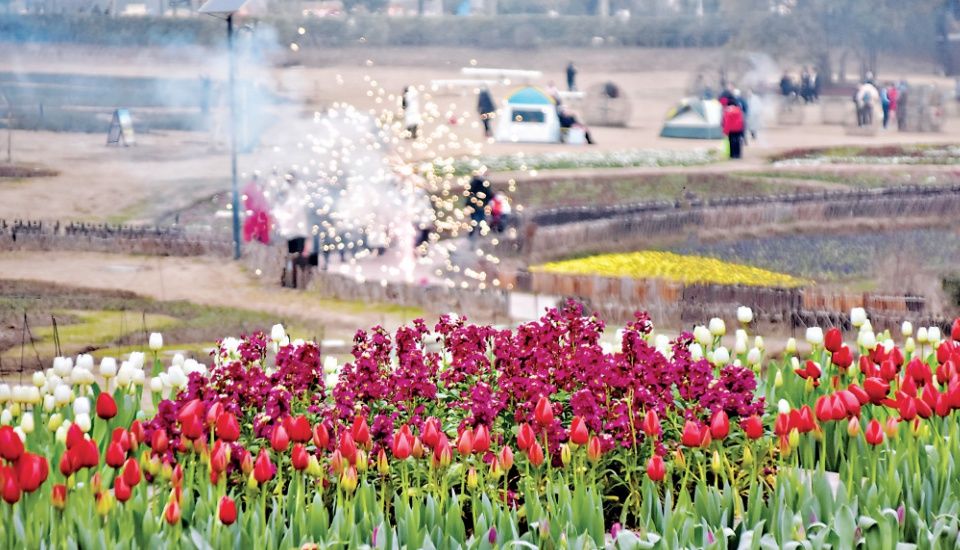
[(568, 231), (124, 239)]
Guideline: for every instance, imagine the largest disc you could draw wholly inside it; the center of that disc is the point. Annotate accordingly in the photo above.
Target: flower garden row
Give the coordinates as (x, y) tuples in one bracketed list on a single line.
[(470, 436)]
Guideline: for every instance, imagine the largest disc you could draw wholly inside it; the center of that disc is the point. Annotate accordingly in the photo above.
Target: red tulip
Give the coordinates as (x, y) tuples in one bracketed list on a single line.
[(955, 330), (942, 407), (823, 409), (506, 458), (594, 451), (121, 490), (842, 358), (115, 455), (66, 463), (263, 469), (58, 496), (219, 458), (227, 427), (752, 426), (944, 351), (299, 457), (214, 412), (919, 371), (805, 422), (850, 402), (123, 437), (347, 447), (11, 490), (431, 432), (88, 456), (465, 442), (781, 426), (106, 406), (193, 409), (579, 434), (691, 436), (651, 424), (544, 412), (481, 439), (10, 445), (656, 469), (74, 436), (876, 389), (32, 470), (279, 440), (172, 512), (228, 510), (402, 445), (246, 462), (719, 425), (321, 437), (361, 432), (131, 472), (159, 442), (136, 432), (535, 454), (833, 340), (525, 437), (874, 433), (442, 454), (907, 406)]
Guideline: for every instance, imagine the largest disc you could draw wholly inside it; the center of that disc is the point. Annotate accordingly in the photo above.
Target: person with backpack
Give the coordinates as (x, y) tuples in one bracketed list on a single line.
[(487, 110), (733, 126)]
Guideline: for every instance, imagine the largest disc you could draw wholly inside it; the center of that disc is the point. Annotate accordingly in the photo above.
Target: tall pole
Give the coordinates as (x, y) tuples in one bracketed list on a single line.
[(233, 141)]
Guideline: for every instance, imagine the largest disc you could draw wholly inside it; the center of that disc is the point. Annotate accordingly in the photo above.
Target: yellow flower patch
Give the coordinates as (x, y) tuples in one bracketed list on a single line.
[(672, 267)]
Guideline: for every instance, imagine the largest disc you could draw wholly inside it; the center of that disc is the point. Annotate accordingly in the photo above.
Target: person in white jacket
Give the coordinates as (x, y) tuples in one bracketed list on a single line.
[(411, 111), (867, 98)]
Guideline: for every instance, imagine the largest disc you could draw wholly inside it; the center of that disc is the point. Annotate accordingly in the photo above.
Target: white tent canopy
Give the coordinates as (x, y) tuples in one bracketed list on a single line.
[(529, 115), (694, 118)]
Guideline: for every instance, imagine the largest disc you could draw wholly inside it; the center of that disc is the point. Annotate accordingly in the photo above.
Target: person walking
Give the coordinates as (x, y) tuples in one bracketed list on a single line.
[(571, 77), (754, 114), (893, 103), (487, 110), (733, 126), (411, 111), (867, 96), (479, 196)]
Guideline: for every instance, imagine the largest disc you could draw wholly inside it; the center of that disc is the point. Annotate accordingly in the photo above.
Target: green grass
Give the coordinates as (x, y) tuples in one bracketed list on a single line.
[(868, 180), (579, 191)]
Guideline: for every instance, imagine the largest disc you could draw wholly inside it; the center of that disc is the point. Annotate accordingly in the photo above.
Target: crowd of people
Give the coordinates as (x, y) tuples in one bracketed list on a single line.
[(870, 94), (804, 88)]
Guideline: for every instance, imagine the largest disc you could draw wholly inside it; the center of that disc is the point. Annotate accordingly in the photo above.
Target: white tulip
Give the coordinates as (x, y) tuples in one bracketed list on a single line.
[(696, 351), (55, 421), (754, 356), (62, 395), (85, 361), (156, 341), (49, 403), (83, 422), (26, 422), (61, 435), (62, 366), (81, 405), (888, 344), (53, 381), (933, 335), (139, 377), (329, 364), (702, 335), (176, 377), (794, 363), (178, 359), (125, 374), (867, 326), (906, 328), (82, 377), (278, 334), (5, 393), (300, 342), (606, 348), (867, 339), (165, 380), (230, 345), (922, 337), (791, 346), (858, 316), (191, 366), (744, 315), (19, 395), (330, 380), (740, 347), (156, 384), (783, 407), (814, 336), (21, 434), (717, 327), (32, 395), (758, 343), (721, 356), (108, 368), (137, 359), (6, 417), (910, 345), (39, 379)]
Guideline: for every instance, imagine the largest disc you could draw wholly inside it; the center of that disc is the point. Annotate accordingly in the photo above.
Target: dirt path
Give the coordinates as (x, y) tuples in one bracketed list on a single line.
[(204, 281)]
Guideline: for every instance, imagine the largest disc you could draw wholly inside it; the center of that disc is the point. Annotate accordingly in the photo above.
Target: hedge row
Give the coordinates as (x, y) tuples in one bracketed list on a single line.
[(488, 32)]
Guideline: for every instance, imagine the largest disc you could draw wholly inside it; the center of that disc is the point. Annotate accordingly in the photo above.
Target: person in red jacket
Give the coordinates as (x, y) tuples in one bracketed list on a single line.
[(733, 126)]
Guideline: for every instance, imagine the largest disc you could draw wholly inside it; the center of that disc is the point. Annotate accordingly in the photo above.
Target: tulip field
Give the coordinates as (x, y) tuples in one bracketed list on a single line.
[(559, 433)]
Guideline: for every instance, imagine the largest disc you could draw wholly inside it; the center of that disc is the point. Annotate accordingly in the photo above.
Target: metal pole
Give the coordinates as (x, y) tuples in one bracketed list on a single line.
[(233, 142)]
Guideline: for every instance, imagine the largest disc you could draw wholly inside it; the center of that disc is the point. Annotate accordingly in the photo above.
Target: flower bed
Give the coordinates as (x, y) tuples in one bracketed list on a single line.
[(562, 160), (542, 436), (672, 267), (893, 154)]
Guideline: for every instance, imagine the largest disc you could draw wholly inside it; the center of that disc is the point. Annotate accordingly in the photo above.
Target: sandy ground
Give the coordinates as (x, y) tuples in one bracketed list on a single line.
[(169, 170), (204, 281)]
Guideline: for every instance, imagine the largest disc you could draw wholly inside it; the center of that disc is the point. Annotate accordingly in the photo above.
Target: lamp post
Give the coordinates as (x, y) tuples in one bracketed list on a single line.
[(226, 9)]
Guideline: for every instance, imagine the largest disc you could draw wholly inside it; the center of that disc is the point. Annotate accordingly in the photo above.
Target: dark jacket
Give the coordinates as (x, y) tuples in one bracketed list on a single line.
[(485, 103)]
